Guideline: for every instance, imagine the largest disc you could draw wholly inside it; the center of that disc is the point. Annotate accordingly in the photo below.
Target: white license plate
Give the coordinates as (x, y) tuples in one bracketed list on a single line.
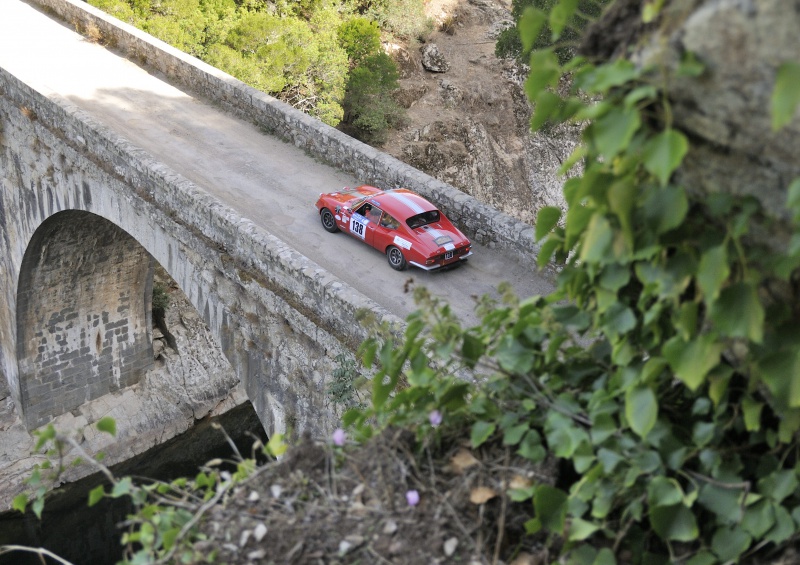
[(448, 255)]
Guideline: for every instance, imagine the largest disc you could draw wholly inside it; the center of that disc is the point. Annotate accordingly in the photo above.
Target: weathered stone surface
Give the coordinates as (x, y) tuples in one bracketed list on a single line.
[(433, 60), (726, 111), (177, 391)]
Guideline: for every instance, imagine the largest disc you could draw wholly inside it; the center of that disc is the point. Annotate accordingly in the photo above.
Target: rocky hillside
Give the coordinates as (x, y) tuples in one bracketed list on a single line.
[(468, 119)]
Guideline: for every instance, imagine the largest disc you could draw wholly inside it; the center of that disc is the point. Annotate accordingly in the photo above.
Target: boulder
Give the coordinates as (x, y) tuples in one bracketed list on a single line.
[(432, 59)]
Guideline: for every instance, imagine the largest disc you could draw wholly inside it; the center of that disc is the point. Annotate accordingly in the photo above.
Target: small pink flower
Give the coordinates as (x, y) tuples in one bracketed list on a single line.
[(412, 497), (339, 436), (435, 418)]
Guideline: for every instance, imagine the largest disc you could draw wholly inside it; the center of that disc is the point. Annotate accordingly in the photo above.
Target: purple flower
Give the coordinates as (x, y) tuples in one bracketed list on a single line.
[(412, 497), (435, 418), (339, 436)]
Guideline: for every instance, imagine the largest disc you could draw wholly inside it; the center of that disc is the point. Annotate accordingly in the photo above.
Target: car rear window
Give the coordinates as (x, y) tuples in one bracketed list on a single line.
[(429, 217)]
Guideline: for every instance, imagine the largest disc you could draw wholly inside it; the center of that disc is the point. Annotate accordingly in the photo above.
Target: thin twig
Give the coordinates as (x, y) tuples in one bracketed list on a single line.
[(38, 550), (501, 523)]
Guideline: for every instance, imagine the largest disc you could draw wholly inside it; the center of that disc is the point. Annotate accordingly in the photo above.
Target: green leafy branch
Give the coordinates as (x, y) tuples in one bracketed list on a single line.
[(665, 369), (164, 525)]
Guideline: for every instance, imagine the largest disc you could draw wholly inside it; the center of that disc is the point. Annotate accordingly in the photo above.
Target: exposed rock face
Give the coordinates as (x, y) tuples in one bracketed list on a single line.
[(470, 126), (726, 112)]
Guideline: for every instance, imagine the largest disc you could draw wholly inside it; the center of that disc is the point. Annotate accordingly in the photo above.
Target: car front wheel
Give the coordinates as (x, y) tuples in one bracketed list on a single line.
[(396, 259), (328, 221)]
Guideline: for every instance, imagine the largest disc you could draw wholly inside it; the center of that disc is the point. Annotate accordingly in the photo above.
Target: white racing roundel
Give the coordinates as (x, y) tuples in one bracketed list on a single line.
[(358, 225)]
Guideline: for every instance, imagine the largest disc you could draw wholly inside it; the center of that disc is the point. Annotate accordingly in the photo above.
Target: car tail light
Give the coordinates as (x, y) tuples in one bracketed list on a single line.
[(430, 261)]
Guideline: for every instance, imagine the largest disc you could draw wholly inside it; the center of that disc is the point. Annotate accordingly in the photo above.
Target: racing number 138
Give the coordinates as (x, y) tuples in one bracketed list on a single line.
[(357, 227)]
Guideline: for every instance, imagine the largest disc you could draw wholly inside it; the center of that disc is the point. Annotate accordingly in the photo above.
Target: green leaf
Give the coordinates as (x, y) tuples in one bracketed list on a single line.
[(726, 503), (663, 154), (609, 459), (472, 349), (544, 72), (546, 220), (690, 66), (550, 504), (703, 558), (20, 502), (108, 425), (666, 208), (738, 312), (691, 361), (713, 272), (513, 356), (613, 132), (779, 485), (368, 351), (759, 518), (641, 410), (547, 250), (685, 320), (531, 447), (651, 10), (560, 16), (597, 241), (675, 522), (729, 543), (579, 529), (786, 94), (530, 26), (752, 413), (38, 507), (96, 495), (619, 320), (169, 537), (122, 488), (784, 526), (781, 373), (578, 218), (621, 198), (703, 433), (513, 435), (545, 107), (663, 491), (276, 446), (481, 431), (605, 77)]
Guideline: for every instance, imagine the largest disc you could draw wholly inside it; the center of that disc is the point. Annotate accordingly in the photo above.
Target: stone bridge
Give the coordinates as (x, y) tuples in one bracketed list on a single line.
[(84, 214)]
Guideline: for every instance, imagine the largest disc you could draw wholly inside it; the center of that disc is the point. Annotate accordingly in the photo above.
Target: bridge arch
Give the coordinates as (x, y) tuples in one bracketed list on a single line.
[(84, 328)]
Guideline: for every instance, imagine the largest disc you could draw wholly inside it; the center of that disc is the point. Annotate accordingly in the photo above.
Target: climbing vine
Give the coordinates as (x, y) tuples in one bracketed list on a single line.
[(665, 369)]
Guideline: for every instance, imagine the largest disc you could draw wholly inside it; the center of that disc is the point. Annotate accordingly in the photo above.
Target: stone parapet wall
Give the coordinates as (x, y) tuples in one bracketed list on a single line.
[(481, 222), (280, 319)]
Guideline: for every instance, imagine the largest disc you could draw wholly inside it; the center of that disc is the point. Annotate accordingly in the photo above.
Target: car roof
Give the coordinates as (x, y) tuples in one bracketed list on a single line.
[(401, 203)]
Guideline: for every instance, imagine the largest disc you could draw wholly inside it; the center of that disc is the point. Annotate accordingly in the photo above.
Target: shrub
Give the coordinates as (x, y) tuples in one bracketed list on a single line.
[(369, 106), (360, 38)]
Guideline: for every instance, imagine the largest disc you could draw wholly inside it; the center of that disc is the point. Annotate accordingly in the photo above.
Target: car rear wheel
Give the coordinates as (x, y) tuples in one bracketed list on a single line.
[(396, 259), (328, 221)]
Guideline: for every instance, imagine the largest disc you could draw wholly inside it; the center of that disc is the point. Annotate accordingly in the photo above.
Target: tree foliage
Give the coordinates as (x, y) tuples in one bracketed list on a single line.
[(369, 106), (565, 30), (301, 52), (403, 18)]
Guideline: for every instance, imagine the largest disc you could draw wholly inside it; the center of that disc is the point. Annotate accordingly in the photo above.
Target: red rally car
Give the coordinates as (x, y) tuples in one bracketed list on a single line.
[(397, 222)]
